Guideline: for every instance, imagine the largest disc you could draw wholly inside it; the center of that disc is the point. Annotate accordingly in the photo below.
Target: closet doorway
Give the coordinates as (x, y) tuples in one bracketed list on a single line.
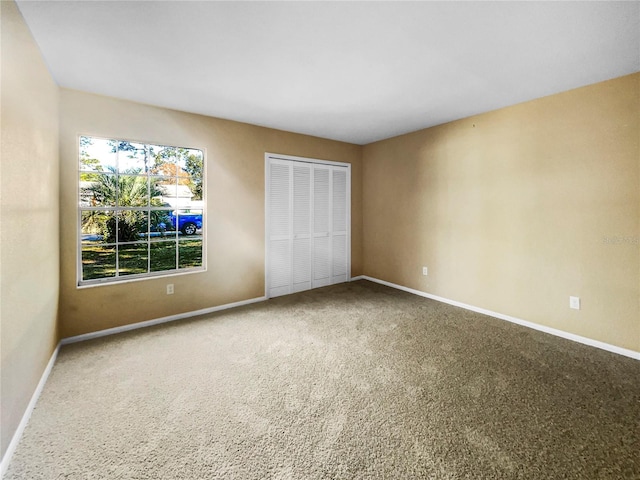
[(307, 222)]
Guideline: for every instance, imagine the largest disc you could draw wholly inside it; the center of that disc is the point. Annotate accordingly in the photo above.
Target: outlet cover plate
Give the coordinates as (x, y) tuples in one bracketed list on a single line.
[(425, 271), (574, 302)]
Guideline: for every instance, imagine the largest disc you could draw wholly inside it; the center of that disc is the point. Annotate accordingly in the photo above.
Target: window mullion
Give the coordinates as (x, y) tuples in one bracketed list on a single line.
[(177, 236)]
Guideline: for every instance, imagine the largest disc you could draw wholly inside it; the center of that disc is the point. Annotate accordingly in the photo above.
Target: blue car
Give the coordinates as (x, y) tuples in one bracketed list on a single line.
[(187, 223)]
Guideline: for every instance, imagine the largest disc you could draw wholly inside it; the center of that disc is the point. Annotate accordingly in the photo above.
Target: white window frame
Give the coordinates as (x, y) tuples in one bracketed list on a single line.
[(118, 279)]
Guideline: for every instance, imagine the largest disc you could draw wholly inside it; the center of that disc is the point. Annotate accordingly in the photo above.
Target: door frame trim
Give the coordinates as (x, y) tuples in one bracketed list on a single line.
[(277, 156)]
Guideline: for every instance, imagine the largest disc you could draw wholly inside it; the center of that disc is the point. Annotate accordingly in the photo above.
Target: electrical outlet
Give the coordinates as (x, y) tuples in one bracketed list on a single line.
[(170, 289), (574, 302), (425, 271)]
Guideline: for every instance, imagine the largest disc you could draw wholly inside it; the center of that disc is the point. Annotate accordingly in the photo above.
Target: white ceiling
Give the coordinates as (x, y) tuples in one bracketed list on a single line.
[(357, 72)]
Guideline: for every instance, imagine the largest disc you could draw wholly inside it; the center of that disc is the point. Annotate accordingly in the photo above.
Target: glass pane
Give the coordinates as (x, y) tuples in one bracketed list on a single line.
[(182, 194), (161, 222), (190, 160), (158, 188), (97, 154), (98, 261), (98, 189), (196, 190), (166, 161), (133, 258), (163, 256), (133, 191), (133, 157), (156, 159), (97, 227), (133, 225), (189, 222), (193, 166), (163, 191), (190, 253)]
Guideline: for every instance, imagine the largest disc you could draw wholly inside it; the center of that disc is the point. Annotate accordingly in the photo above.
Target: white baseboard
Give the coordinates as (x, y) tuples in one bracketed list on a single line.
[(17, 435), (553, 331), (359, 277), (157, 321)]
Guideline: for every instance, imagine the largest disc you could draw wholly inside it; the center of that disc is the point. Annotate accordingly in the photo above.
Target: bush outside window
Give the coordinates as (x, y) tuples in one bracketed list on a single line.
[(141, 210)]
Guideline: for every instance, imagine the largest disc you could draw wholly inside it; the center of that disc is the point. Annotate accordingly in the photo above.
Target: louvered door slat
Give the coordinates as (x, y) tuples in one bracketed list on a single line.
[(339, 260), (339, 207), (320, 200), (279, 204), (301, 200), (321, 249), (301, 267)]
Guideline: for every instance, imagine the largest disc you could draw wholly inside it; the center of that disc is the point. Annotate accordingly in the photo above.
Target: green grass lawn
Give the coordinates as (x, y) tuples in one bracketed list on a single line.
[(99, 261)]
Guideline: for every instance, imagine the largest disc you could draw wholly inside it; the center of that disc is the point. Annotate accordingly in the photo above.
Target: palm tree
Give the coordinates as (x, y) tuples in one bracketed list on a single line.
[(124, 189)]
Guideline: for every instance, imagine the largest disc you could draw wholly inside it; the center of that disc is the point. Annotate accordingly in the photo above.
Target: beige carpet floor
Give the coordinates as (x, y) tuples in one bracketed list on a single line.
[(352, 381)]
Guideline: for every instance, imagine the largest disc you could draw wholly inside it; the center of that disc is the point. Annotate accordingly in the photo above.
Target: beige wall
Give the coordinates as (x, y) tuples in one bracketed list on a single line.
[(235, 208), (29, 261), (512, 210)]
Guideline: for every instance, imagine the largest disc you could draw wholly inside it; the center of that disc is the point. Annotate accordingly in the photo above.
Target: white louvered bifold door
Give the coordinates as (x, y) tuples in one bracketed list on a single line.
[(308, 225), (279, 228), (321, 226), (301, 268), (339, 229)]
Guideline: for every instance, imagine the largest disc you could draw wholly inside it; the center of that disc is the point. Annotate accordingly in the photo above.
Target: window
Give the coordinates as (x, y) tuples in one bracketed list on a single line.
[(141, 210)]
